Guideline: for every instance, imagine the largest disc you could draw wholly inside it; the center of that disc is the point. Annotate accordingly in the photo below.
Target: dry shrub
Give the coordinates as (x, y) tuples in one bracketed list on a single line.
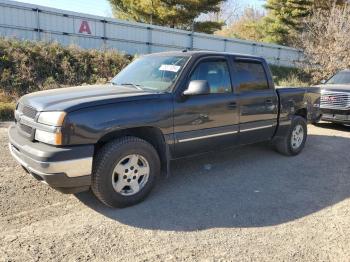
[(326, 40), (31, 66), (290, 76), (7, 111)]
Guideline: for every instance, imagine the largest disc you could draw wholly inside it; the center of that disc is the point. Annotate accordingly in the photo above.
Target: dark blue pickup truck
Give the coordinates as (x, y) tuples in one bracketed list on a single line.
[(117, 138)]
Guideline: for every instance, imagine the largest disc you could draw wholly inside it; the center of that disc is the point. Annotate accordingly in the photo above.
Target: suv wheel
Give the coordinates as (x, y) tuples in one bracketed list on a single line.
[(295, 140), (125, 171)]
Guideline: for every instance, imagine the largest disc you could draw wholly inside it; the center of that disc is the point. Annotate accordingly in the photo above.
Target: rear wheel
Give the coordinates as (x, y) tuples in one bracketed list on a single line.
[(125, 171), (294, 142)]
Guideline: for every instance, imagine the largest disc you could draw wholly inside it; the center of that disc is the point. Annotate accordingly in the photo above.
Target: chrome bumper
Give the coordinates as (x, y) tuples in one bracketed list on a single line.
[(72, 168), (336, 117)]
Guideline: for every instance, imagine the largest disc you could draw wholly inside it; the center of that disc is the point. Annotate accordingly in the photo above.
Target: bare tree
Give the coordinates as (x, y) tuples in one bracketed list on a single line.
[(229, 11), (248, 26), (326, 41)]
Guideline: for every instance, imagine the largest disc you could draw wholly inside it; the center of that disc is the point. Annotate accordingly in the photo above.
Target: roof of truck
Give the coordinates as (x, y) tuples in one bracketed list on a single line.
[(203, 52)]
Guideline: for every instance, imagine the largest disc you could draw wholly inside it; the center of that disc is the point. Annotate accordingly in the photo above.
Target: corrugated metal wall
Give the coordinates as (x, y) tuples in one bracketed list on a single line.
[(32, 22)]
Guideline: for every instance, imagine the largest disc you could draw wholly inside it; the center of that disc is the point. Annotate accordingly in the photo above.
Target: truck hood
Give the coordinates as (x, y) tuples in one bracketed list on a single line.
[(73, 98), (340, 88)]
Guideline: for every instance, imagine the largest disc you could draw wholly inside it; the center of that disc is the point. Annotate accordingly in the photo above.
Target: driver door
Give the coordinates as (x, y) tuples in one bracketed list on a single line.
[(206, 122)]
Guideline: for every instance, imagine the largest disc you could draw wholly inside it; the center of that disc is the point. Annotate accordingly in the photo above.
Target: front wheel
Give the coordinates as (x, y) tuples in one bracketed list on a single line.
[(125, 171), (293, 143)]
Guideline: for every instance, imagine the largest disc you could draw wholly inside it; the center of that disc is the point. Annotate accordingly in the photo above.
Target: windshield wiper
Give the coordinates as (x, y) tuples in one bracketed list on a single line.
[(139, 87)]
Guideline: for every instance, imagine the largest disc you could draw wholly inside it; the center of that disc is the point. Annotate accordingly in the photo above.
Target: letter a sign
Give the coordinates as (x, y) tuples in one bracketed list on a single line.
[(84, 28)]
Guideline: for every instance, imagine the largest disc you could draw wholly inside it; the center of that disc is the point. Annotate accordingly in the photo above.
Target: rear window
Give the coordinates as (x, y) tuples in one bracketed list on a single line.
[(250, 76)]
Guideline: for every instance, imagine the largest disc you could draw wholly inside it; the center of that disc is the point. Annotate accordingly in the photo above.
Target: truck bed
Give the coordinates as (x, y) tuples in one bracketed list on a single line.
[(294, 97)]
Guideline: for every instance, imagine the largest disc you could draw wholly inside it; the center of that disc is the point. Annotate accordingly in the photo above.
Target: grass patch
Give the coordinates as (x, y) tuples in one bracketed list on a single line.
[(290, 76), (7, 111)]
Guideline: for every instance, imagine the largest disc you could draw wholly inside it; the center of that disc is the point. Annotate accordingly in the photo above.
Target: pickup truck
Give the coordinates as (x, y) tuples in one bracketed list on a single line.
[(335, 98), (118, 138)]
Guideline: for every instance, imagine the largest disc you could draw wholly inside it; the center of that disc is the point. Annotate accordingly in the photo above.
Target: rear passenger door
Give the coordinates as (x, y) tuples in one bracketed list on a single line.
[(258, 101)]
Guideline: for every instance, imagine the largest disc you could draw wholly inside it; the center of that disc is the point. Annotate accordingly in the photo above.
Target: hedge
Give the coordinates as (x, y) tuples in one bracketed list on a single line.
[(32, 66)]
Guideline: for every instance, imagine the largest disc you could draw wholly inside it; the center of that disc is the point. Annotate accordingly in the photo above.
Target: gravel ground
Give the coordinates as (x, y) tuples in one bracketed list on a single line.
[(240, 205)]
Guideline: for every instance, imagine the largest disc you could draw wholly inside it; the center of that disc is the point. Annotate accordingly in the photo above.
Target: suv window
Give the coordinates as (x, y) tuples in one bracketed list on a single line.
[(250, 76), (217, 74)]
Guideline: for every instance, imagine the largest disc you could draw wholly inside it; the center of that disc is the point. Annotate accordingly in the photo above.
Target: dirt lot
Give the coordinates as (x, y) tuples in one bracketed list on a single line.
[(245, 204)]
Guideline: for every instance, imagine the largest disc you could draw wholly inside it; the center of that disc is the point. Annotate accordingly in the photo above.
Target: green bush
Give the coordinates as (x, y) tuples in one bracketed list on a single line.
[(32, 66), (7, 111)]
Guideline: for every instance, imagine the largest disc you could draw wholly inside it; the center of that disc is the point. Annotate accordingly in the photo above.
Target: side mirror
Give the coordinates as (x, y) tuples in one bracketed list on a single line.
[(323, 81), (197, 87)]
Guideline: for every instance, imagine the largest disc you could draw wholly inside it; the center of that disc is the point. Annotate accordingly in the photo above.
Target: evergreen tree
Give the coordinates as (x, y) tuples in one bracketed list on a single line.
[(285, 18), (179, 14)]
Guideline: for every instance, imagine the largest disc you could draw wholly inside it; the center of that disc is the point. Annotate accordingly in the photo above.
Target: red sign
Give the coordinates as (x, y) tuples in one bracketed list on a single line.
[(84, 28)]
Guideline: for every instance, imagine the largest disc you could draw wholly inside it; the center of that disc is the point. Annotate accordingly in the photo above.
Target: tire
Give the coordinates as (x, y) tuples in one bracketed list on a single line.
[(115, 167), (292, 145)]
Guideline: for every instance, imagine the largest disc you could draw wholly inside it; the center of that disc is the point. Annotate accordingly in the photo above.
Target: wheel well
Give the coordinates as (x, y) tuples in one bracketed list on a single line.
[(302, 112), (150, 134)]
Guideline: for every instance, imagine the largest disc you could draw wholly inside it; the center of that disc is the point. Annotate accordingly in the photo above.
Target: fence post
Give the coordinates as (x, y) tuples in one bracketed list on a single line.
[(104, 34), (191, 35), (279, 56), (150, 40), (300, 56), (253, 49), (191, 40), (38, 23)]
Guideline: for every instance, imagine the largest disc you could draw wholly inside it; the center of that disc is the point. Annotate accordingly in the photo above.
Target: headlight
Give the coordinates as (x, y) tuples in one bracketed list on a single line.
[(52, 118), (48, 137)]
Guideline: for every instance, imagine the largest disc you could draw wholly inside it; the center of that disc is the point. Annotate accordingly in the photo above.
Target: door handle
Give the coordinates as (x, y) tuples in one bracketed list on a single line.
[(232, 105), (269, 104)]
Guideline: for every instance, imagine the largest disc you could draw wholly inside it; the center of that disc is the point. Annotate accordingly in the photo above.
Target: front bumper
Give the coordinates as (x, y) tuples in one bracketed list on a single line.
[(336, 116), (67, 169)]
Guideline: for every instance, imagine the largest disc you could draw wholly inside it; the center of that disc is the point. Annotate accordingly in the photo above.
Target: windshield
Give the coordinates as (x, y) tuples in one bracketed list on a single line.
[(151, 72), (341, 78)]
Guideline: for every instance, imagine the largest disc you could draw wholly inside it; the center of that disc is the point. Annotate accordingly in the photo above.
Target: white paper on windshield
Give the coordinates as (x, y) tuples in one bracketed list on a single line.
[(171, 68)]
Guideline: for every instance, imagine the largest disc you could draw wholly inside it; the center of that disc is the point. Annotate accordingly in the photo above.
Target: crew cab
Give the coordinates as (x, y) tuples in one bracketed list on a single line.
[(335, 98), (118, 138)]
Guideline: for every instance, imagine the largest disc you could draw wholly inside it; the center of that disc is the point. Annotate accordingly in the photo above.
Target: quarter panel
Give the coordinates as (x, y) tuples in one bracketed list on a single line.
[(291, 99)]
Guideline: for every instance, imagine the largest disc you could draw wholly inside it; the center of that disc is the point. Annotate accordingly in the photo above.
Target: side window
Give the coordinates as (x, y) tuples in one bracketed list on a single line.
[(250, 76), (217, 74)]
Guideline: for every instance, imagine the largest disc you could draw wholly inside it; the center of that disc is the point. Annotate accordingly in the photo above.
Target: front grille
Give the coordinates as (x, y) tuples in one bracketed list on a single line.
[(25, 115), (29, 112), (335, 100), (26, 129)]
